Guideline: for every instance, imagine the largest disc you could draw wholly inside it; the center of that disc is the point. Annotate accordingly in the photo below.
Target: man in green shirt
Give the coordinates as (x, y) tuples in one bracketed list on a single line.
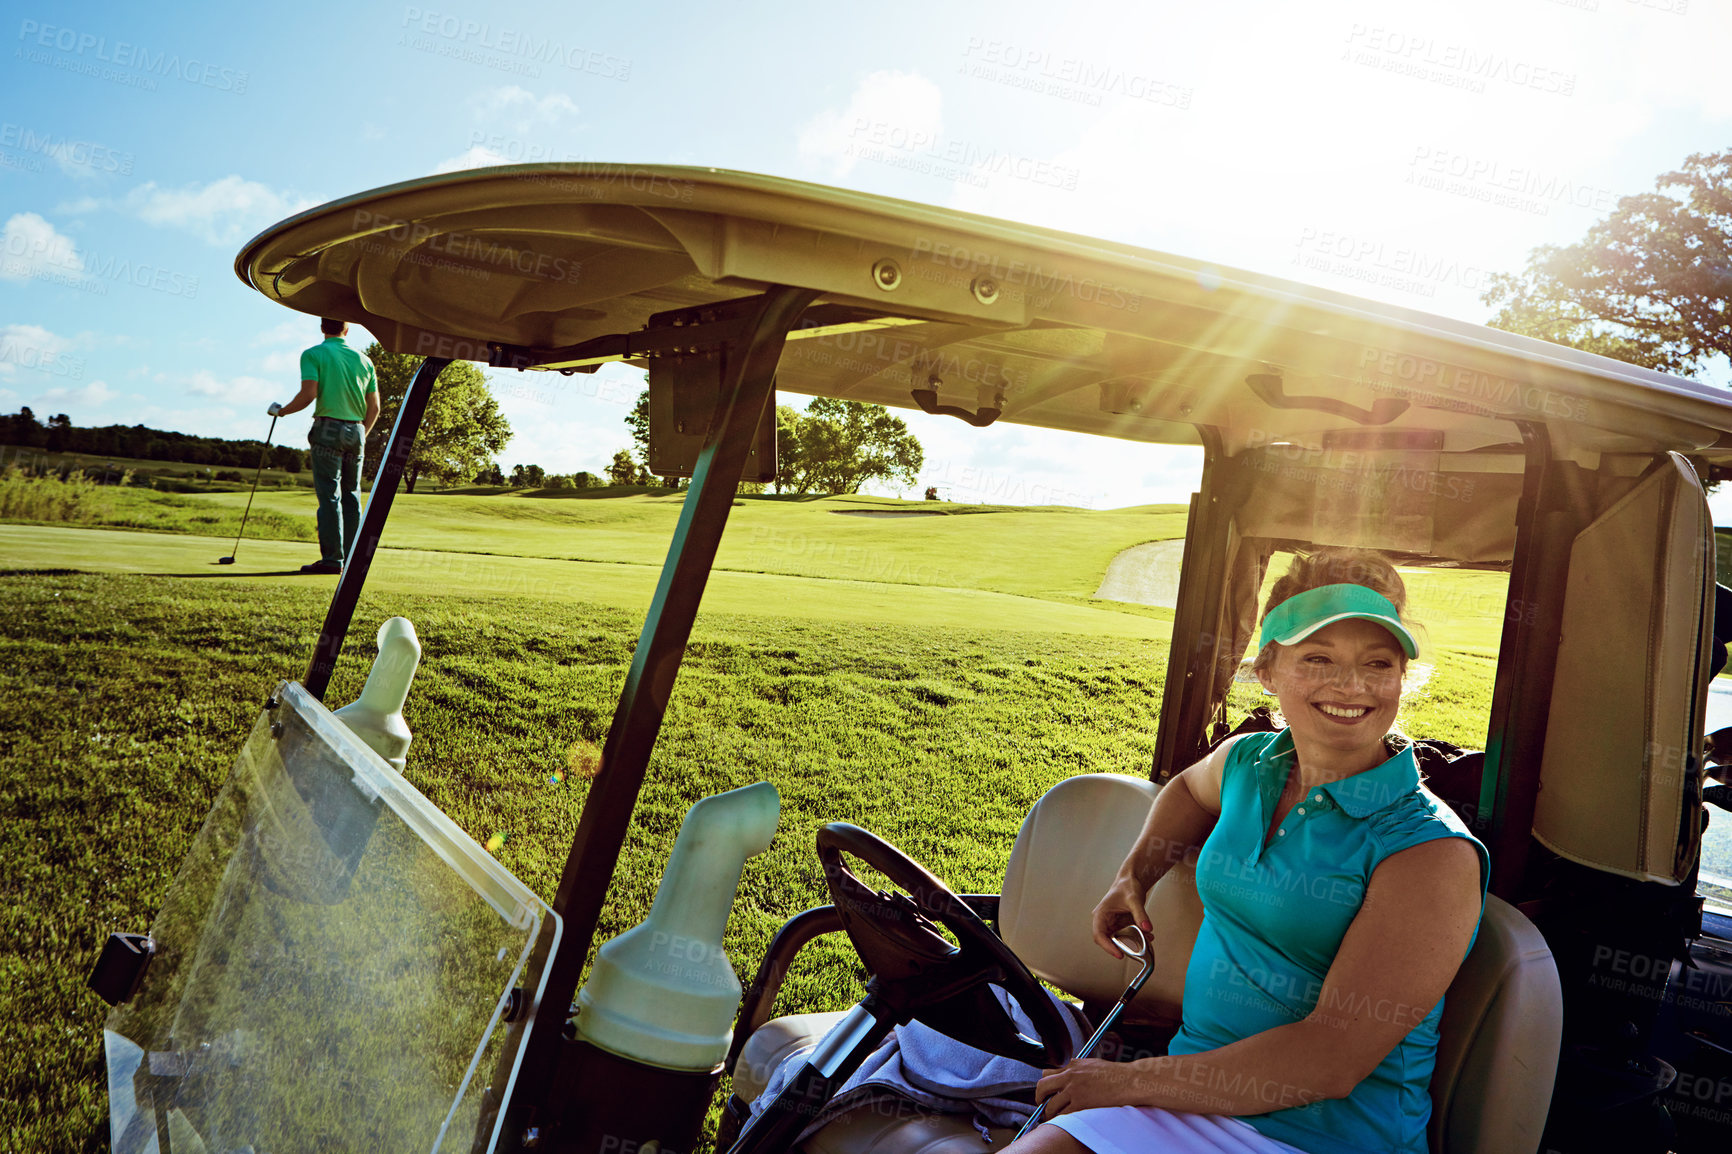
[(340, 383)]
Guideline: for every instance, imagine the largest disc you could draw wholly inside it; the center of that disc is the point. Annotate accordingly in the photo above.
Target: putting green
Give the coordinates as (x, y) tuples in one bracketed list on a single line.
[(619, 584)]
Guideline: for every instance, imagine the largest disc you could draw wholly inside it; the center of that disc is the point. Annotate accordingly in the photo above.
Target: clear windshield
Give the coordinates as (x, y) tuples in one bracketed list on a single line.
[(334, 964)]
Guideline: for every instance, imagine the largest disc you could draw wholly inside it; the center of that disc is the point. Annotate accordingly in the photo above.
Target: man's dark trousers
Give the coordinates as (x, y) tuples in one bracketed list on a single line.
[(336, 453)]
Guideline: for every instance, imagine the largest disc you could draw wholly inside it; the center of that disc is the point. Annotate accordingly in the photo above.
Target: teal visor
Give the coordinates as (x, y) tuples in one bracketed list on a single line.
[(1300, 616)]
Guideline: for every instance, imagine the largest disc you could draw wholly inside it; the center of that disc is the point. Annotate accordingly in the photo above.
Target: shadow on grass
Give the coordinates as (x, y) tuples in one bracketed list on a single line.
[(601, 494), (226, 572)]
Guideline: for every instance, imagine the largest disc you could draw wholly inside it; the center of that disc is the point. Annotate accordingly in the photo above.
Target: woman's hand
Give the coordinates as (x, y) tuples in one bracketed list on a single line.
[(1123, 906), (1087, 1083)]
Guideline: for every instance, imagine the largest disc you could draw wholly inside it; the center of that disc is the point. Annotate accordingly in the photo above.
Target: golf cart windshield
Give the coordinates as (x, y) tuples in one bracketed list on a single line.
[(335, 963)]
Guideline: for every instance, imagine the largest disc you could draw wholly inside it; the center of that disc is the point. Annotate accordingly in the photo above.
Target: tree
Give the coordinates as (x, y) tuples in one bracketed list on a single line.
[(789, 461), (23, 429), (59, 426), (638, 422), (287, 458), (490, 475), (1651, 284), (624, 470), (462, 427), (527, 476), (837, 446)]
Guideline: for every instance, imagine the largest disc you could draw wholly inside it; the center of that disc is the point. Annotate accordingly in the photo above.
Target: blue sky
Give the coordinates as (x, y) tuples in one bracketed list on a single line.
[(1400, 151)]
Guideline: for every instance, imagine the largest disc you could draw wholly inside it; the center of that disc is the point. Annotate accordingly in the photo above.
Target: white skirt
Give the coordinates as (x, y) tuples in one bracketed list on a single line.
[(1149, 1130)]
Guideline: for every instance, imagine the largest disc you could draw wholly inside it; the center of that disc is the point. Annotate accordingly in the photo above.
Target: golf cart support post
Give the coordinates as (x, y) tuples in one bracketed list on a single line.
[(750, 348), (360, 559)]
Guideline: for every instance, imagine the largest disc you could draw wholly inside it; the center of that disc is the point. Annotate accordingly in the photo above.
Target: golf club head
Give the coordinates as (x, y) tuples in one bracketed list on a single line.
[(225, 560)]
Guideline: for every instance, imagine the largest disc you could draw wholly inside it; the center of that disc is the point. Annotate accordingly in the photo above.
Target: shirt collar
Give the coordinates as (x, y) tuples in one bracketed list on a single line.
[(1365, 792)]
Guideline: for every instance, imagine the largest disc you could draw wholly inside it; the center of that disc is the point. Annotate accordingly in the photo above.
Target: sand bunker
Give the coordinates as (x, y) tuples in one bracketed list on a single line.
[(1146, 574)]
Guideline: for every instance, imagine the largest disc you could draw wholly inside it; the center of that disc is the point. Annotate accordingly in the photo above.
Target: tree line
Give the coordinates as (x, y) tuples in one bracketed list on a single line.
[(59, 435), (834, 446)]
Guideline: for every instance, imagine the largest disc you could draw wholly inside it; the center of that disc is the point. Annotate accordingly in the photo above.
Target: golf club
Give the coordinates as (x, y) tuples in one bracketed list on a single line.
[(257, 473), (1148, 956)]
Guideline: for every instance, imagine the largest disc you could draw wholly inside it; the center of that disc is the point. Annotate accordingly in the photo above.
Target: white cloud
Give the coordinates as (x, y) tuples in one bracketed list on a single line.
[(520, 107), (84, 398), (511, 125), (240, 390), (297, 330), (892, 111), (30, 248), (282, 344), (39, 350), (478, 156), (222, 212), (50, 344)]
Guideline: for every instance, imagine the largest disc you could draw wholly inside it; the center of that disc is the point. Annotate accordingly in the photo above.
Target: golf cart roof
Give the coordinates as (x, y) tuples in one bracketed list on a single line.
[(555, 265)]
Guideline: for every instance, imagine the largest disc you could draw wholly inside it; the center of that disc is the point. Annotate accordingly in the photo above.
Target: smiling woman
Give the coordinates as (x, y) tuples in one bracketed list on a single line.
[(1332, 1002)]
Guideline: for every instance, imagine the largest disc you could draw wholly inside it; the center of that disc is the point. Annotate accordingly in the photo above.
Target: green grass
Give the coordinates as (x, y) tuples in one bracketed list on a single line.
[(265, 564), (932, 713), (127, 698), (1053, 553)]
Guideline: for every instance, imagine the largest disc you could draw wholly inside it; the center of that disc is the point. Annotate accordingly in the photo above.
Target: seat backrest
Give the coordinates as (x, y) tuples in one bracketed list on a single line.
[(1502, 1023), (1070, 846), (1497, 1047)]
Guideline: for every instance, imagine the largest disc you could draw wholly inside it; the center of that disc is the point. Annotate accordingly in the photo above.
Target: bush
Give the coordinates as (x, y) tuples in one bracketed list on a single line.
[(231, 475), (27, 498)]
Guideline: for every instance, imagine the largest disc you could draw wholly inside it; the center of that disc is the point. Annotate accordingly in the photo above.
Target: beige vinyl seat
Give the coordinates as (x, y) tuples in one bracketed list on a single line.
[(1502, 1022)]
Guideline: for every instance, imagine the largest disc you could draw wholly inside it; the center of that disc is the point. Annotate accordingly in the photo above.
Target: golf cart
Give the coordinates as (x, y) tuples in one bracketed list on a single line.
[(1595, 1006)]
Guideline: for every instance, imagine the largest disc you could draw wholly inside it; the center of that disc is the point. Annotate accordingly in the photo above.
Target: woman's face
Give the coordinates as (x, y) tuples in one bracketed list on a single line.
[(1341, 686)]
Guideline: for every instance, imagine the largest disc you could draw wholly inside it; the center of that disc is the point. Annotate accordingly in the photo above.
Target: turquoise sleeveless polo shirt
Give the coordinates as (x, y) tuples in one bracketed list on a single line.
[(1273, 919)]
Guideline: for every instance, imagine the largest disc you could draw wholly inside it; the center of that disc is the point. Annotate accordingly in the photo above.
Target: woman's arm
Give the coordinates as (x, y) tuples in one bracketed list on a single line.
[(1395, 962), (1181, 818)]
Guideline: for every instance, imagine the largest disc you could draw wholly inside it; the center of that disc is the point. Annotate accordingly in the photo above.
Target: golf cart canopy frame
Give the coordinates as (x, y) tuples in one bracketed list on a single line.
[(726, 286)]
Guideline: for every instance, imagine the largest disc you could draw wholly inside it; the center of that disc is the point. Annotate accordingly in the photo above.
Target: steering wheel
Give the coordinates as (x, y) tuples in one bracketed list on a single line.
[(917, 973)]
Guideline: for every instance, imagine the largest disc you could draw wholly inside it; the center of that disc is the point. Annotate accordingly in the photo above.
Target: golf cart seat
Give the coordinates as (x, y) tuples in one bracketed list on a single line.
[(1502, 1020)]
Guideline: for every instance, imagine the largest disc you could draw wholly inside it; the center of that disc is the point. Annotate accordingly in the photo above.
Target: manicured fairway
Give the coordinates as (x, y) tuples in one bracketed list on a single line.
[(622, 585), (1039, 552)]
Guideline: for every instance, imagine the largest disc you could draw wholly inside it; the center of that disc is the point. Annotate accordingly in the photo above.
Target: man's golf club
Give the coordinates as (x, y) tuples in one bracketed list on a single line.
[(1148, 956), (257, 473)]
